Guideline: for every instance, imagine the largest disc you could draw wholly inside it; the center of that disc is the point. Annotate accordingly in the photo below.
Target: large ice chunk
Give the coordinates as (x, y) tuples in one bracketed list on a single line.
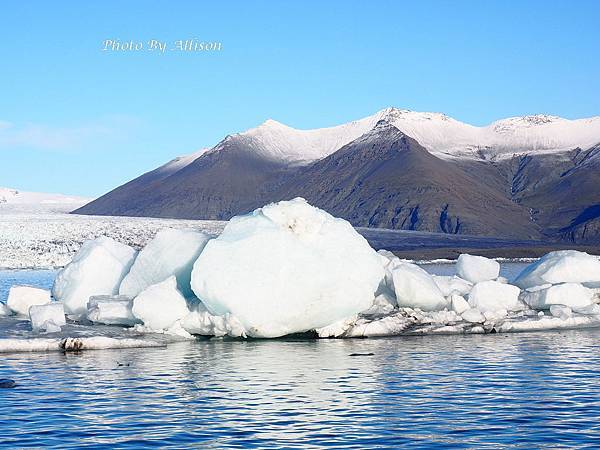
[(171, 252), (477, 268), (563, 266), (49, 317), (97, 269), (21, 298), (415, 288), (494, 296), (111, 310), (573, 295), (287, 267), (161, 305)]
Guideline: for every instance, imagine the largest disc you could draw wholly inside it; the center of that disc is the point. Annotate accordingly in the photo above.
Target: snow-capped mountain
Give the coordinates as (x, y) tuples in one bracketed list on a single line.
[(15, 200), (522, 160), (275, 141), (437, 132)]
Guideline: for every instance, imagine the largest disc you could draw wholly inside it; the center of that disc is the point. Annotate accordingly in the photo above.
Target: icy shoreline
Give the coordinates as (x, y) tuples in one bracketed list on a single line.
[(50, 240)]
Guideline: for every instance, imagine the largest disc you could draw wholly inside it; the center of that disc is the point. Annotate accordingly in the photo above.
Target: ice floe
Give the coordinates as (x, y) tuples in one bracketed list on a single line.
[(292, 268), (74, 344), (49, 317), (21, 298)]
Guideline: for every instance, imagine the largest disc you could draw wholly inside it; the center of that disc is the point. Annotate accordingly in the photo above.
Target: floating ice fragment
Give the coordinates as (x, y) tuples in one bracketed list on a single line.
[(160, 306), (97, 269), (415, 288), (111, 310), (21, 298), (458, 303), (569, 294), (49, 317), (477, 268), (494, 296), (564, 266), (171, 252)]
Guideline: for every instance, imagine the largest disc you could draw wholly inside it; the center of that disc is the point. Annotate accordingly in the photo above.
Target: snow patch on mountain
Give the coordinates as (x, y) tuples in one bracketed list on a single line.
[(180, 162), (445, 136), (275, 141), (440, 134)]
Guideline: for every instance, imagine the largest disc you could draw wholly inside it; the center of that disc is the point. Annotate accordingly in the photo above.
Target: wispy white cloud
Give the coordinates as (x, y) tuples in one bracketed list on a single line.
[(66, 138)]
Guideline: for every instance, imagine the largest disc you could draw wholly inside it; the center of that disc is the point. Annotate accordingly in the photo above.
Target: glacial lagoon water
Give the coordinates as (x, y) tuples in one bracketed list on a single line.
[(520, 390)]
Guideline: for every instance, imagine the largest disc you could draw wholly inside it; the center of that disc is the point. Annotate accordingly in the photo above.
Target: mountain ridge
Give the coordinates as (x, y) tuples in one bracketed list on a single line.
[(523, 161)]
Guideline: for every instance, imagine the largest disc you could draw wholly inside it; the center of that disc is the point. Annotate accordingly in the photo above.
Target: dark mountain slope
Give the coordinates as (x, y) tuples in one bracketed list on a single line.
[(217, 186), (386, 179), (568, 205)]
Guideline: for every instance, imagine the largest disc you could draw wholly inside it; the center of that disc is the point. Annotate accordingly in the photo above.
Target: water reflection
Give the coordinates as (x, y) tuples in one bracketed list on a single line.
[(495, 390)]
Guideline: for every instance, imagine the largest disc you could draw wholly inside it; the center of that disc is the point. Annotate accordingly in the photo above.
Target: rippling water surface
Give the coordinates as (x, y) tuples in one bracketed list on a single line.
[(514, 390)]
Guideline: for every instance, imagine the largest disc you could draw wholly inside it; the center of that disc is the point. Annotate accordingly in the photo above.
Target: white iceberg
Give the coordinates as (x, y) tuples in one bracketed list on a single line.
[(285, 268), (111, 310), (97, 269), (494, 296), (573, 295), (564, 266), (49, 317), (477, 268), (160, 306), (415, 288), (21, 298), (171, 252)]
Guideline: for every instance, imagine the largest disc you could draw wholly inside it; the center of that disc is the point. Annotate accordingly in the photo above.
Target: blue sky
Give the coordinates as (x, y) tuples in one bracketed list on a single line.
[(77, 120)]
